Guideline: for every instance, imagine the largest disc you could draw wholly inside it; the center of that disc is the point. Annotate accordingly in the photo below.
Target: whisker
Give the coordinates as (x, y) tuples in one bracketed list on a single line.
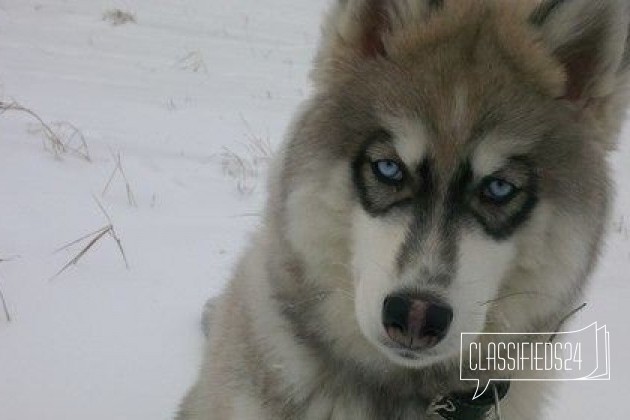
[(528, 293), (565, 319)]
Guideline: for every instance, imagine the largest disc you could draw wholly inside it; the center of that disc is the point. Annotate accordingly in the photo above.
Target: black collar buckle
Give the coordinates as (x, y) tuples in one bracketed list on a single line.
[(461, 406)]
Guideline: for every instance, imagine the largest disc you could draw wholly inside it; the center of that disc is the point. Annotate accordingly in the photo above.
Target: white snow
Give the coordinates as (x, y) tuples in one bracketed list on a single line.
[(173, 94)]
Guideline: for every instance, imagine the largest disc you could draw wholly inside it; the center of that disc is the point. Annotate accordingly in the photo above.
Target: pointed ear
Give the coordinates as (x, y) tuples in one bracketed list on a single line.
[(363, 26), (588, 37), (356, 26)]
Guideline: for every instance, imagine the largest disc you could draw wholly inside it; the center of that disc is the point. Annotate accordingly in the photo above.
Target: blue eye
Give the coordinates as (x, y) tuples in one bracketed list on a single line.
[(499, 190), (388, 171)]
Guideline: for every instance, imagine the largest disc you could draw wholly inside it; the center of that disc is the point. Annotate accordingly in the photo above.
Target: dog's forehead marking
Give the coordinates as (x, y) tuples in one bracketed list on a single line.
[(493, 152), (410, 139)]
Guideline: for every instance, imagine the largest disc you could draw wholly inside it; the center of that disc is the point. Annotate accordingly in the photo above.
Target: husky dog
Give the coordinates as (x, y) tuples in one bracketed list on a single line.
[(448, 175)]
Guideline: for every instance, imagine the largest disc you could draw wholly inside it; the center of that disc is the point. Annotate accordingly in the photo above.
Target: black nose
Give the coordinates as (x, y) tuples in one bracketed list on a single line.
[(416, 323)]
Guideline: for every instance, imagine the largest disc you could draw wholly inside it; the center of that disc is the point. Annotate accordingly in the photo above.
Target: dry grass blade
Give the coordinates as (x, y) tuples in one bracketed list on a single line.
[(100, 206), (260, 148), (55, 142), (5, 306), (240, 169), (245, 168), (118, 17), (59, 141), (3, 301), (131, 199), (81, 239), (78, 257), (73, 139), (112, 233), (109, 181), (92, 239)]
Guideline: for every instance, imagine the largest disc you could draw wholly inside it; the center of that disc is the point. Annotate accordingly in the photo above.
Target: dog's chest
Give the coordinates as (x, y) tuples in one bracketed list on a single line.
[(346, 406)]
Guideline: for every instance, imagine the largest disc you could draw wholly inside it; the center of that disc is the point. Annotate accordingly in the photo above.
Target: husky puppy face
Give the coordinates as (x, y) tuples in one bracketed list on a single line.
[(449, 174)]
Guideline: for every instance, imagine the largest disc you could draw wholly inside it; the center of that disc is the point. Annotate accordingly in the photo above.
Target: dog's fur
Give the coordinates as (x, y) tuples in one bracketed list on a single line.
[(457, 90)]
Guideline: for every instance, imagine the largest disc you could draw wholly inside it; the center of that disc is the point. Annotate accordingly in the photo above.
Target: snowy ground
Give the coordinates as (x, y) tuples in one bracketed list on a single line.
[(189, 96)]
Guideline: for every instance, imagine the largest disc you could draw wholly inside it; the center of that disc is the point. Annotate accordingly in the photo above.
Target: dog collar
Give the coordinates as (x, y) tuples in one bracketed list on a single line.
[(461, 406)]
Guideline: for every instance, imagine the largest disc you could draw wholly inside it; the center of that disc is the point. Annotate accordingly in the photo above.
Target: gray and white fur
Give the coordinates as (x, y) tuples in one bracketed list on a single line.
[(456, 92)]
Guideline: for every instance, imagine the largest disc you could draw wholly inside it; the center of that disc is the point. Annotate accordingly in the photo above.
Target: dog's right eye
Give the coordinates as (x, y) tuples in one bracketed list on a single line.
[(388, 171), (498, 191)]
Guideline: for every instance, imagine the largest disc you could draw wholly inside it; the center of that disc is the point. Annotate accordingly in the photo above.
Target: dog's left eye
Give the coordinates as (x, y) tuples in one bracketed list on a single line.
[(498, 190), (388, 171)]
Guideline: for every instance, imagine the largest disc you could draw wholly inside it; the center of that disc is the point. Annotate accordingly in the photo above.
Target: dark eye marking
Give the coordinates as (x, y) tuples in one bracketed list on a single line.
[(436, 4), (543, 11), (381, 179), (503, 201)]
